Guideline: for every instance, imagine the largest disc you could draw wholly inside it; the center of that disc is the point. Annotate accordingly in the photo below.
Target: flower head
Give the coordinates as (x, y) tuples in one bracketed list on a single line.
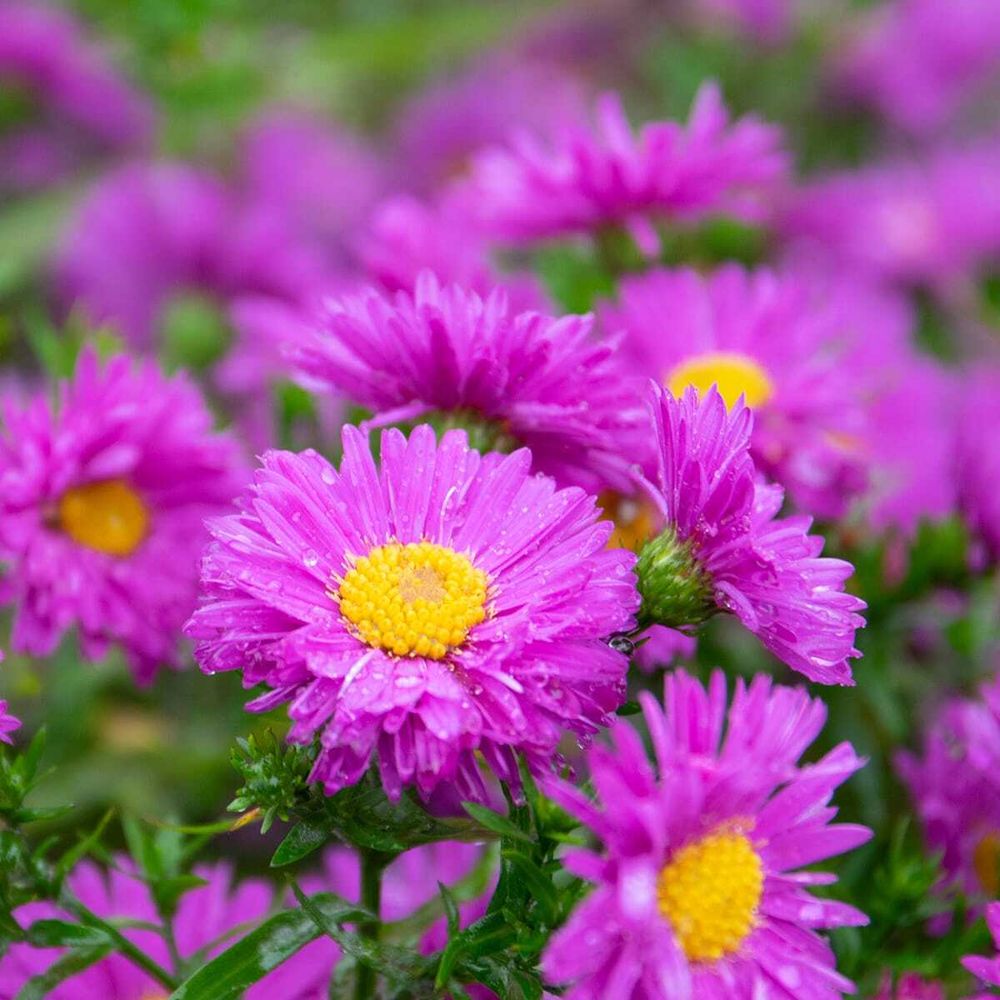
[(206, 918), (909, 987), (698, 892), (955, 785), (721, 546), (102, 496), (527, 378), (8, 723), (987, 969), (584, 180), (74, 104), (917, 62), (978, 456), (442, 604), (788, 345), (929, 220)]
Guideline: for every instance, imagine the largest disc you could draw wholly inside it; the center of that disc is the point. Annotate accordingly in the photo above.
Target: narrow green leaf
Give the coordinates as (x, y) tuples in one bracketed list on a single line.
[(263, 949), (299, 842), (495, 822), (52, 933)]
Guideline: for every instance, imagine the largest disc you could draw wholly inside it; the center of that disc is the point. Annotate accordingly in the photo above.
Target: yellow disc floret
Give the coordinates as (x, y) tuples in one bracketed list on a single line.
[(108, 516), (735, 375), (419, 599), (709, 892)]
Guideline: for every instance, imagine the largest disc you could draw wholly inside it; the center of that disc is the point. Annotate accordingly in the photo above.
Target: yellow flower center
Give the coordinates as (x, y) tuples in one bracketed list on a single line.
[(418, 599), (709, 893), (635, 520), (108, 516), (986, 861), (734, 374)]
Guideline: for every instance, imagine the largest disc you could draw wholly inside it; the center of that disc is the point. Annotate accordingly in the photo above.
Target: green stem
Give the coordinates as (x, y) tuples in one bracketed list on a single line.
[(122, 944), (372, 864)]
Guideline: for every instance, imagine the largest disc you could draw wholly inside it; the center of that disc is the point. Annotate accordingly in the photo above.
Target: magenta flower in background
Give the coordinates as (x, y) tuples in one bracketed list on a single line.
[(539, 381), (102, 496), (582, 179), (978, 456), (909, 987), (787, 344), (766, 21), (438, 131), (321, 179), (955, 786), (443, 605), (75, 105), (987, 969), (206, 918), (719, 525), (8, 723), (698, 894), (406, 236), (917, 62), (930, 220), (910, 445)]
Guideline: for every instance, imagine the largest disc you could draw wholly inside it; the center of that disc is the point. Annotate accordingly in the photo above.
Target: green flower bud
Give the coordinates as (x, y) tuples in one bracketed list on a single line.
[(675, 590)]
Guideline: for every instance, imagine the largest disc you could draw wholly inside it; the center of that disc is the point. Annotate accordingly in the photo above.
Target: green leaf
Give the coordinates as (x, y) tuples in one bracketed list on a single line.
[(495, 822), (450, 909), (263, 949), (300, 842), (52, 933), (39, 987)]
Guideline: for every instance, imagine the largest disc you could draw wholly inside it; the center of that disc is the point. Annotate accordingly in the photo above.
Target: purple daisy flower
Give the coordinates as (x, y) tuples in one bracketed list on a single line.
[(442, 604), (8, 723), (721, 533), (698, 888), (586, 180), (74, 103), (788, 345), (909, 987), (918, 62), (929, 221), (955, 785), (206, 918), (102, 496), (987, 969), (542, 382), (406, 236), (978, 456), (440, 129)]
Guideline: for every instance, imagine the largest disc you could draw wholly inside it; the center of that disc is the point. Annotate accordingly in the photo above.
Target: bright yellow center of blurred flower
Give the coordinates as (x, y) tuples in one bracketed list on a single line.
[(986, 861), (734, 374), (419, 599), (709, 892), (635, 520), (108, 516)]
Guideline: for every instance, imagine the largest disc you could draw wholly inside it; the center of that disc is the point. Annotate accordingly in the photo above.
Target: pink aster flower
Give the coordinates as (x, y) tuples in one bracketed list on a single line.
[(955, 784), (787, 344), (909, 987), (583, 180), (987, 969), (918, 62), (698, 892), (441, 604), (978, 456), (911, 447), (439, 130), (102, 496), (210, 917), (8, 723), (406, 236), (721, 532), (74, 104), (542, 382), (929, 220), (322, 179)]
